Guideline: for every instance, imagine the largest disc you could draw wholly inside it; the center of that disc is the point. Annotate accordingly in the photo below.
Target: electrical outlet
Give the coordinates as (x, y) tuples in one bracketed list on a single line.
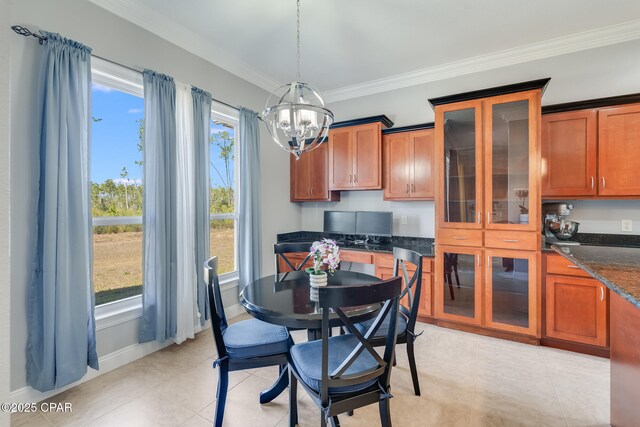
[(626, 225), (403, 220)]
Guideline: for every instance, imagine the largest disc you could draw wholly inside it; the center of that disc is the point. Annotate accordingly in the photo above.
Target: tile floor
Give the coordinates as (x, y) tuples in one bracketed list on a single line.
[(466, 380)]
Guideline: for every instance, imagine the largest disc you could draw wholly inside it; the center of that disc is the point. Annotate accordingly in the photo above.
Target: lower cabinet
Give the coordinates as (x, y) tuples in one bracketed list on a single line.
[(492, 288), (576, 310)]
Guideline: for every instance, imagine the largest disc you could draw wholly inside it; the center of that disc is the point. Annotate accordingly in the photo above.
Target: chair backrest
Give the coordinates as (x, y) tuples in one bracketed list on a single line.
[(412, 285), (216, 309), (282, 249), (333, 298)]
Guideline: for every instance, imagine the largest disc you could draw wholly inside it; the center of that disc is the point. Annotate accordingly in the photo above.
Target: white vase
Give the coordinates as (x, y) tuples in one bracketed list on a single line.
[(317, 280), (524, 218)]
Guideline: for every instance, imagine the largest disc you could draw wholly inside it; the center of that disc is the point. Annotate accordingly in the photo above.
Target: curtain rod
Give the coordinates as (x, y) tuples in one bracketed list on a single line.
[(23, 31)]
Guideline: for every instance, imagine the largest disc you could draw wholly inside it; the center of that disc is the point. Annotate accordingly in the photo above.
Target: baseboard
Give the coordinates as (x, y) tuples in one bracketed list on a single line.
[(108, 363)]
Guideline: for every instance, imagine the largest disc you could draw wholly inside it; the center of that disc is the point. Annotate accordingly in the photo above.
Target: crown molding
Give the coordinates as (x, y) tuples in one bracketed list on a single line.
[(158, 24), (598, 37)]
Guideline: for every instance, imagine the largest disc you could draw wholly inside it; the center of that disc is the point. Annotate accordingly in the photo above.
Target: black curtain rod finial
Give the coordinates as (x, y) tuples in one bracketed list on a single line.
[(26, 32)]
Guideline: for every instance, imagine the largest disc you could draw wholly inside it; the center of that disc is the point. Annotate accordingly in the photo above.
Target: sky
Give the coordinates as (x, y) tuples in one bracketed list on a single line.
[(114, 138)]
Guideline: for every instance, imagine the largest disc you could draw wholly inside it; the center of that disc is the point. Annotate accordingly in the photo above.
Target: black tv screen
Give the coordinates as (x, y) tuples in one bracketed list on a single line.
[(374, 223), (340, 222)]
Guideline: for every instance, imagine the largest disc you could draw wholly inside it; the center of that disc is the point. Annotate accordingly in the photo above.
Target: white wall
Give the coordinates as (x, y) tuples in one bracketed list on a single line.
[(603, 216), (5, 210), (120, 41), (595, 73)]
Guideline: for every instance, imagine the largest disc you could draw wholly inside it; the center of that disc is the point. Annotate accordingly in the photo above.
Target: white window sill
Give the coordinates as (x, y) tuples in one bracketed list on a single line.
[(128, 309)]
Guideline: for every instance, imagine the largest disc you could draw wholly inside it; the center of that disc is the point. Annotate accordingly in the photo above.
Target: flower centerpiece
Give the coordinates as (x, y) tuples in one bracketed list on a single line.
[(324, 253)]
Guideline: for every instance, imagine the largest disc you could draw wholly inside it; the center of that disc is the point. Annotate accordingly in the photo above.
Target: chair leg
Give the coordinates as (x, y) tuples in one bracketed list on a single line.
[(451, 294), (455, 271), (395, 357), (221, 396), (335, 422), (293, 400), (385, 413), (350, 413), (412, 366)]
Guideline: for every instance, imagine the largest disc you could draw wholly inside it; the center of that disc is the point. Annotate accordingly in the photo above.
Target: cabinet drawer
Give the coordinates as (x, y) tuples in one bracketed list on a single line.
[(356, 256), (522, 240), (557, 264), (452, 236)]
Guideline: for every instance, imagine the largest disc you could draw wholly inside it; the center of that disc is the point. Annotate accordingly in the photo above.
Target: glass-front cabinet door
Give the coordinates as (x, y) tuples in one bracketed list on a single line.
[(511, 162), (511, 290), (459, 147), (458, 284)]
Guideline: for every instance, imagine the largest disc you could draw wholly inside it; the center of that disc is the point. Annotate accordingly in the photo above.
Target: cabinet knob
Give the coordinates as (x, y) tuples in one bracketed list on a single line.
[(350, 178), (488, 217), (407, 188), (355, 178), (413, 188), (604, 183), (593, 183), (601, 293)]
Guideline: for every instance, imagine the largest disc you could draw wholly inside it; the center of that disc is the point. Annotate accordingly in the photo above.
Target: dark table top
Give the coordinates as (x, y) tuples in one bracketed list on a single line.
[(617, 267), (288, 302)]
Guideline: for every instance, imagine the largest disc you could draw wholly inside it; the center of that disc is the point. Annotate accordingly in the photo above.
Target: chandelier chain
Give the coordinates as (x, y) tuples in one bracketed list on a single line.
[(298, 41)]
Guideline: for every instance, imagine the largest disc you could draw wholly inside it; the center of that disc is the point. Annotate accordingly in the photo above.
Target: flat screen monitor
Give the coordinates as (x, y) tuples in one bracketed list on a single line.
[(374, 223), (340, 222)]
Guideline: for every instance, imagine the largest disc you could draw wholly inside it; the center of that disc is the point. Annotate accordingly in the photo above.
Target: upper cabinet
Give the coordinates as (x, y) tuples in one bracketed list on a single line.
[(591, 152), (488, 162), (309, 179), (569, 142), (619, 151), (408, 165), (355, 157)]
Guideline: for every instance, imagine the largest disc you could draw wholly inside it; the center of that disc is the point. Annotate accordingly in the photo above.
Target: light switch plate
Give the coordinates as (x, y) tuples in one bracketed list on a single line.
[(403, 220), (626, 225)]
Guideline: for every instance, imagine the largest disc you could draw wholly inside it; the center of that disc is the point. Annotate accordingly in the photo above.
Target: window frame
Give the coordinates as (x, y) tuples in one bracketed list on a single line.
[(126, 80), (228, 115)]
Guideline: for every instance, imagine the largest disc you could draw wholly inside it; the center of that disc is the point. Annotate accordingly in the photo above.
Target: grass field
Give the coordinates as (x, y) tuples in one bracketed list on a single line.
[(117, 262)]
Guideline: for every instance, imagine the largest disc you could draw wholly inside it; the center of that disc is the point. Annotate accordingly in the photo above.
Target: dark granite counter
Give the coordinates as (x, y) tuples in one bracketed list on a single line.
[(595, 239), (422, 245), (617, 267)]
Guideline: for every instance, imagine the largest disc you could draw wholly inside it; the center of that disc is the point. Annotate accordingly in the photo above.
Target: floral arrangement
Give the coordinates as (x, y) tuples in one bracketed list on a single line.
[(325, 252), (522, 193)]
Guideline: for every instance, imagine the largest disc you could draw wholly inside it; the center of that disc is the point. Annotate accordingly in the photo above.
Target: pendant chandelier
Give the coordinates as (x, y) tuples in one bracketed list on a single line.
[(295, 115)]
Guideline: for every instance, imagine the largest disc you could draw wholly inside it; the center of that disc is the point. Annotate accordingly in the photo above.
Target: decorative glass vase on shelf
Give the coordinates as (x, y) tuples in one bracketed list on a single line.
[(324, 253)]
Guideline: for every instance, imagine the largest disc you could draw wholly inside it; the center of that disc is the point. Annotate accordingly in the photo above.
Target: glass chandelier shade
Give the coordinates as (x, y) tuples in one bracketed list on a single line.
[(297, 119)]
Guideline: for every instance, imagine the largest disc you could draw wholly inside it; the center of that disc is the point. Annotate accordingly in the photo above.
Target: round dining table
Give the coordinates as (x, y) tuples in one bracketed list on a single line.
[(286, 299)]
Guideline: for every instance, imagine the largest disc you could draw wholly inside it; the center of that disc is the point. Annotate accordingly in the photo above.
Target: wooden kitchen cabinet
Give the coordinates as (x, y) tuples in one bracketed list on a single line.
[(355, 157), (619, 151), (309, 176), (569, 153), (408, 165), (576, 309), (487, 271), (384, 270)]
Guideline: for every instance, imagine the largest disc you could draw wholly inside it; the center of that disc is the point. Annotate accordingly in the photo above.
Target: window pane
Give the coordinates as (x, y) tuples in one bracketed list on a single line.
[(116, 190), (222, 173), (223, 243), (117, 262)]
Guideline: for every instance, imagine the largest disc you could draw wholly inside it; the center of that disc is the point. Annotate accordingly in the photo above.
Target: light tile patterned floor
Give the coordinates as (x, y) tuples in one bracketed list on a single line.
[(466, 380)]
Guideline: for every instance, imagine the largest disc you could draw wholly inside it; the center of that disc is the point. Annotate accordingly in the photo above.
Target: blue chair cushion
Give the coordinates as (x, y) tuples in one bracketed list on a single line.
[(255, 338), (307, 361), (383, 330)]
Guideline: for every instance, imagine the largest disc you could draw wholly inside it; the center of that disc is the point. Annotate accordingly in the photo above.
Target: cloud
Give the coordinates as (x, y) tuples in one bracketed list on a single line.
[(135, 110), (101, 88)]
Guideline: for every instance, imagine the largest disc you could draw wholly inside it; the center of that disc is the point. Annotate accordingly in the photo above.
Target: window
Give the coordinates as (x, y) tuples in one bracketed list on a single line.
[(117, 187), (223, 178), (116, 181)]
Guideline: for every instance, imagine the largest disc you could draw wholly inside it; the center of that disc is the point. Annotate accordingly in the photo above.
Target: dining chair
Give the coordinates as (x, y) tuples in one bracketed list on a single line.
[(282, 249), (344, 372), (407, 317), (247, 344)]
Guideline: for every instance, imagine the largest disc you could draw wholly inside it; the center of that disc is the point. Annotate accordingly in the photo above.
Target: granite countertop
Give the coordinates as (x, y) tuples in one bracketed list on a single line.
[(422, 245), (617, 267)]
